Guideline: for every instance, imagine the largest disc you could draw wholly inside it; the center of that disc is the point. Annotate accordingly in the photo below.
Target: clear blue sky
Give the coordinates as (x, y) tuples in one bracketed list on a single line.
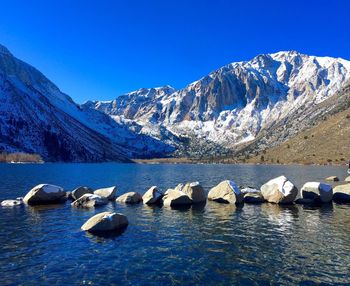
[(101, 49)]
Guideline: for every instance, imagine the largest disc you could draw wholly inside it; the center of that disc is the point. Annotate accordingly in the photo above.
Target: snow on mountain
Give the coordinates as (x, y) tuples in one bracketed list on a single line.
[(36, 117), (233, 104)]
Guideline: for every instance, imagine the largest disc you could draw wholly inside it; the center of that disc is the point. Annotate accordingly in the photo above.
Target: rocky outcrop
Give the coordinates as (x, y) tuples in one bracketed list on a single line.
[(78, 192), (152, 196), (45, 194), (226, 192), (104, 222), (279, 190), (194, 191), (175, 197), (317, 192), (341, 193), (89, 201), (108, 193), (12, 203), (130, 198)]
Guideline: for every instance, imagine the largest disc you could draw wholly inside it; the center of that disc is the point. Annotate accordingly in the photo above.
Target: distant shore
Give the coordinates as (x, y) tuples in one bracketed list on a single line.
[(20, 158)]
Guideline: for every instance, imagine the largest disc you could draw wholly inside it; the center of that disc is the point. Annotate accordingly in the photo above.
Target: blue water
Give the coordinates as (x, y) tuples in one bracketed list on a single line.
[(212, 245)]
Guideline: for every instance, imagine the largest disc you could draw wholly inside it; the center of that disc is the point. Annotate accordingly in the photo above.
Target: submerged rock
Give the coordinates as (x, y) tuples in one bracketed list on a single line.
[(175, 197), (152, 196), (108, 193), (317, 192), (194, 191), (105, 221), (80, 191), (45, 194), (279, 190), (89, 201), (12, 203), (341, 193), (130, 198), (226, 192), (332, 179)]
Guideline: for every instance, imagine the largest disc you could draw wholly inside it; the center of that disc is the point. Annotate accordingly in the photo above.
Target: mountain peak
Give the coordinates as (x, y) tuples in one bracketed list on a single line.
[(4, 50)]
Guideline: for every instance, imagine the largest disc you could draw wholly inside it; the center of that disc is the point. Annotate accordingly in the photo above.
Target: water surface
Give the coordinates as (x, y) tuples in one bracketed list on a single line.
[(211, 245)]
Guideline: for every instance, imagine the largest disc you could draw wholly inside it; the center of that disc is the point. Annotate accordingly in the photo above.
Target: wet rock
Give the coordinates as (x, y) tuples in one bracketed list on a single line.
[(332, 179), (80, 191), (318, 192), (175, 197), (341, 193), (152, 196), (108, 193), (12, 203), (226, 192), (279, 190), (45, 194), (104, 222), (254, 198), (130, 198), (89, 201)]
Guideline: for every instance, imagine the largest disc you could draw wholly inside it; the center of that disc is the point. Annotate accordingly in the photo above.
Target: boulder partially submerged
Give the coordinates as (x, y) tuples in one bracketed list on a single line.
[(108, 193), (130, 198), (105, 222), (317, 192), (89, 201), (152, 196), (80, 191), (12, 203), (279, 190), (194, 191), (332, 179), (226, 192), (254, 198), (175, 197), (45, 194), (341, 193)]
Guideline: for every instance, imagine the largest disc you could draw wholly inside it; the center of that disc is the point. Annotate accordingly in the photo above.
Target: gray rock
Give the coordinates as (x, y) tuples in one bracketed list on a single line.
[(104, 222), (318, 192), (130, 198), (226, 192), (152, 196), (78, 192), (254, 198), (108, 193), (175, 197), (341, 193), (279, 191), (194, 191), (45, 194), (89, 201)]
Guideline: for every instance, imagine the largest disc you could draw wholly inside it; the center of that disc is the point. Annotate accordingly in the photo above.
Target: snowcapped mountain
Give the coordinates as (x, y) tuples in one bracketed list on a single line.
[(36, 117), (232, 106)]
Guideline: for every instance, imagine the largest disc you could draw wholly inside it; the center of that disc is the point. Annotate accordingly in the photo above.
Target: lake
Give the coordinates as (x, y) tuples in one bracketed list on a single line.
[(212, 245)]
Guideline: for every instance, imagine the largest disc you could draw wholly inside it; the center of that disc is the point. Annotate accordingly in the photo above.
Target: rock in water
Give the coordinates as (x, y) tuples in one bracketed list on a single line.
[(347, 179), (89, 201), (105, 221), (152, 196), (332, 179), (175, 197), (130, 198), (279, 190), (78, 192), (254, 198), (45, 194), (317, 192), (194, 191), (226, 192), (12, 203), (341, 193), (108, 193)]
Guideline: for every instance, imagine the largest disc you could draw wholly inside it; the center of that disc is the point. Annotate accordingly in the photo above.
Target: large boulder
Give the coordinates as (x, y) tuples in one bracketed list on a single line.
[(105, 221), (347, 179), (12, 203), (130, 198), (332, 179), (80, 191), (279, 190), (194, 191), (45, 194), (226, 192), (175, 197), (152, 196), (317, 192), (89, 201), (341, 193), (108, 193)]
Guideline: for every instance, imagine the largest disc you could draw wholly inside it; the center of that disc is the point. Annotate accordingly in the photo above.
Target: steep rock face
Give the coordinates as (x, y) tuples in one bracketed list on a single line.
[(233, 105), (36, 117)]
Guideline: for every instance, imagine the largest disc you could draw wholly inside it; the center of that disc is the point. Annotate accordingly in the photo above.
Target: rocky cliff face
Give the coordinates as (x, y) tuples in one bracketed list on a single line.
[(233, 106), (36, 117)]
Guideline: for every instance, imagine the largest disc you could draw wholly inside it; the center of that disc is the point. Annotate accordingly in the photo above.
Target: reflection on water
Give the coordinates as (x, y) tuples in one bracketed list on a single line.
[(215, 244)]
